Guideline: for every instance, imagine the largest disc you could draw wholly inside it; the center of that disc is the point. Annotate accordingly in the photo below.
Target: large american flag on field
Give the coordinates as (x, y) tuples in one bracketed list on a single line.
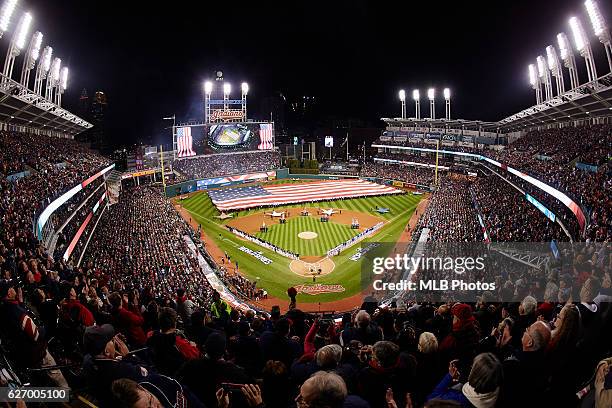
[(261, 196), (265, 137), (184, 142)]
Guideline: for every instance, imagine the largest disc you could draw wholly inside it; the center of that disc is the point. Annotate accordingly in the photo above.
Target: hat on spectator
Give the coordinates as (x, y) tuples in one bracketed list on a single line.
[(215, 345), (96, 338)]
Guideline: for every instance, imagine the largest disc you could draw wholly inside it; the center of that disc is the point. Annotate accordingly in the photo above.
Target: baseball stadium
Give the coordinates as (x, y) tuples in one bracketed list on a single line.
[(273, 205)]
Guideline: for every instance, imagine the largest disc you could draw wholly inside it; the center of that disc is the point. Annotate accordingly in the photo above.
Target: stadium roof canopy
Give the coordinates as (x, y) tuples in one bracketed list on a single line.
[(585, 102), (22, 107)]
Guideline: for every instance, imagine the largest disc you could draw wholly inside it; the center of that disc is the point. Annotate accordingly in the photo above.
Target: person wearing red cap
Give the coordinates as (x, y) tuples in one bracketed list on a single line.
[(461, 342)]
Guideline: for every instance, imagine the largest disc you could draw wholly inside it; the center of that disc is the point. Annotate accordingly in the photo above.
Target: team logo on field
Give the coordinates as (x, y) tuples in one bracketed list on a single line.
[(319, 288)]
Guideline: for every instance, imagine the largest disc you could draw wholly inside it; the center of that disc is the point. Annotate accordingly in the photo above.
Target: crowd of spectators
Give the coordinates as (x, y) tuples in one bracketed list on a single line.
[(409, 174), (227, 164)]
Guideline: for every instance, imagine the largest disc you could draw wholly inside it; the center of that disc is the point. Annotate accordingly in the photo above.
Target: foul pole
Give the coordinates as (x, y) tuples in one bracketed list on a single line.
[(161, 157)]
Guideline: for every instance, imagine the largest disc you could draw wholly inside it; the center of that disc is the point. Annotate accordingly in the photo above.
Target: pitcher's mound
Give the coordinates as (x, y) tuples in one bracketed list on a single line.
[(308, 235)]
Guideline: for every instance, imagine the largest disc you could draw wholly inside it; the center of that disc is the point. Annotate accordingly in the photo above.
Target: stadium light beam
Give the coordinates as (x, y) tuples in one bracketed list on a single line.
[(5, 15), (534, 80), (402, 98), (600, 28), (569, 61), (208, 87), (244, 87), (31, 57), (583, 46), (431, 95), (17, 43), (416, 96), (447, 95), (555, 68)]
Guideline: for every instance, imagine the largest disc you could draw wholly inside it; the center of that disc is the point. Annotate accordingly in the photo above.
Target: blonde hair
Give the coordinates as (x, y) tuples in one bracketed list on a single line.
[(428, 343)]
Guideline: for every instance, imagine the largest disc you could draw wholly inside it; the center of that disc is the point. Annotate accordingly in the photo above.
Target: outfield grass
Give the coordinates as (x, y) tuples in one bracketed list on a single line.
[(330, 234), (277, 277)]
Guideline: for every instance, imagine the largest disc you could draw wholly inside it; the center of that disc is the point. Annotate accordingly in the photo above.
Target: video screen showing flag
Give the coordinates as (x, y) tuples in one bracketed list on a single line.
[(184, 142), (240, 136)]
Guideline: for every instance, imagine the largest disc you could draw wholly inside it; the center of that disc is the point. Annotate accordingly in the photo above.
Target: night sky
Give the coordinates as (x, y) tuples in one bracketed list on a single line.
[(152, 58)]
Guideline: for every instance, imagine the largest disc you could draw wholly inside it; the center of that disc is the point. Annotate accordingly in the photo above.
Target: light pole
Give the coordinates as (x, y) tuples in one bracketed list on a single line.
[(17, 44), (584, 47), (417, 103), (53, 78), (447, 96), (555, 68), (32, 55), (544, 75), (431, 95), (62, 85), (402, 98), (567, 55), (600, 28), (534, 80), (208, 88), (244, 87), (44, 64), (227, 89)]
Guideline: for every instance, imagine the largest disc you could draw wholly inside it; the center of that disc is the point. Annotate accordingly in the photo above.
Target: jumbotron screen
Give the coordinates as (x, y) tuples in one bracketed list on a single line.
[(240, 136)]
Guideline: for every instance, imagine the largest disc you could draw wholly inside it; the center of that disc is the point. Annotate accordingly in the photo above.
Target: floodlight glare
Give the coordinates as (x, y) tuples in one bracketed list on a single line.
[(227, 88), (36, 43), (597, 20), (532, 75), (415, 95), (431, 94), (541, 66), (64, 78), (402, 95), (5, 14), (208, 87), (55, 70), (244, 87), (578, 32), (551, 58), (22, 30), (446, 93), (46, 58), (564, 47)]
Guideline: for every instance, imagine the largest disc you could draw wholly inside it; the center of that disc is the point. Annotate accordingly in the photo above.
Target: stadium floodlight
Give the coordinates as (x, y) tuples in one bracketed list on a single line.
[(244, 87), (53, 77), (534, 80), (416, 96), (5, 15), (431, 94), (402, 98), (600, 28), (544, 75), (208, 87), (64, 79), (447, 95), (31, 57), (44, 64), (555, 68), (569, 61), (227, 88), (583, 46), (17, 43)]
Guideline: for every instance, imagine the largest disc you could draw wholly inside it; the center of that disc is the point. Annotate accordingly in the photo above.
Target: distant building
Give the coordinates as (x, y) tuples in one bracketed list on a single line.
[(97, 136)]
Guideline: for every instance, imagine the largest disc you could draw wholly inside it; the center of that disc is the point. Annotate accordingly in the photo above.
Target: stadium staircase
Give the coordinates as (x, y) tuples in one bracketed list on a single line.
[(113, 186)]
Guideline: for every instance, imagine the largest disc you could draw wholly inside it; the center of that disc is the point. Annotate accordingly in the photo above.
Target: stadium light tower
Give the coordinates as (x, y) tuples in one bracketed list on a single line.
[(5, 15), (244, 87), (567, 55), (227, 89), (53, 78), (544, 75), (61, 86), (555, 68), (431, 95), (600, 28), (208, 88), (44, 64), (30, 59), (583, 46), (402, 98), (17, 44), (447, 95), (416, 96), (534, 80)]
